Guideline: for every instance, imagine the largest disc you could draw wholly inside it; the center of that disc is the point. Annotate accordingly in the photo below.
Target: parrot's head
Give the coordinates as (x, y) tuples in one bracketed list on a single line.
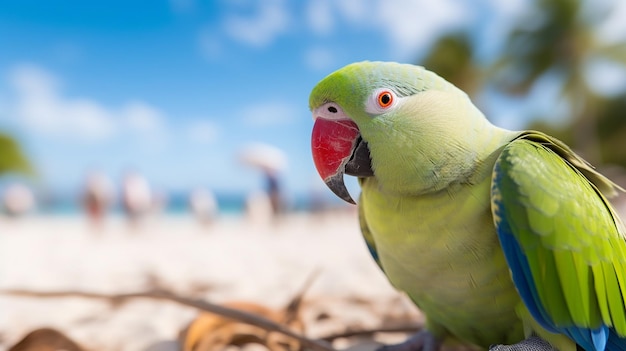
[(400, 123)]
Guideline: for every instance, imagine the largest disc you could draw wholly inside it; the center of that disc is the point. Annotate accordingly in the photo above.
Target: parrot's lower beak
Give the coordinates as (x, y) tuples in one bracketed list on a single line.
[(338, 148)]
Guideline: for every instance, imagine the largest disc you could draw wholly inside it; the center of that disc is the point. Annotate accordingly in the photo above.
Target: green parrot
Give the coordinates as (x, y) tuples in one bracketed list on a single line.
[(497, 236)]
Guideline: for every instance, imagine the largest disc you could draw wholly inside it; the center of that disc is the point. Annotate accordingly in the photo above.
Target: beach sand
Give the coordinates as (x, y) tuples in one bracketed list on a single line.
[(231, 259)]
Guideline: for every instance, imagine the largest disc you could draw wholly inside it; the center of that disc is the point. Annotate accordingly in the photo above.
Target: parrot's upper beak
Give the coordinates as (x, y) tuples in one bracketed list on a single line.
[(338, 148)]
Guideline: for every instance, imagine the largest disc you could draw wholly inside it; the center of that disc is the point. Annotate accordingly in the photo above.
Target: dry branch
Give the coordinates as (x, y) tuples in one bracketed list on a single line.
[(321, 344), (371, 332), (203, 305)]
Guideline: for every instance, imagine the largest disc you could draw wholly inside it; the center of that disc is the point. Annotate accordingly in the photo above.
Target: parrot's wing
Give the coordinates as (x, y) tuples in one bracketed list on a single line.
[(367, 235), (562, 240)]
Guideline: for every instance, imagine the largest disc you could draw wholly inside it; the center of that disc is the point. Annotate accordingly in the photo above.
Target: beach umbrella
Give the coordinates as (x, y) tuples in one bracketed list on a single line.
[(263, 156)]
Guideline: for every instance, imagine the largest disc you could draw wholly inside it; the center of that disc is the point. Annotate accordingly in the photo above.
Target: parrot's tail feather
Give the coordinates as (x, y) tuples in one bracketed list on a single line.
[(615, 342), (600, 337)]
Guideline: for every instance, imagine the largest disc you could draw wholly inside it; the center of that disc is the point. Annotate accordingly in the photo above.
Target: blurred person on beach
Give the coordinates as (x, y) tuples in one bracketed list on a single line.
[(203, 205), (274, 192), (18, 200), (136, 197), (268, 205), (271, 161), (97, 197), (258, 208)]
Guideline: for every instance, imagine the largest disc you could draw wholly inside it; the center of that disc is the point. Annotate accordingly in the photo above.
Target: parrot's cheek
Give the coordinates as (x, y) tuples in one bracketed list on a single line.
[(332, 145)]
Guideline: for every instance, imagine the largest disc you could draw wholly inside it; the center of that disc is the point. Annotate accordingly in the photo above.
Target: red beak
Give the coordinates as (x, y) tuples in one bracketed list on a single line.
[(337, 149)]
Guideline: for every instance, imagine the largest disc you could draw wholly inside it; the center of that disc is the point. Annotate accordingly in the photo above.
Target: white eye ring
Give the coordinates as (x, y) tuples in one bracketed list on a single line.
[(381, 101)]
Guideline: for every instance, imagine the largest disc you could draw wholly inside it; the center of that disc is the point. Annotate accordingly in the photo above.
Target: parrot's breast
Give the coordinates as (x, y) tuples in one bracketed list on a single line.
[(443, 251)]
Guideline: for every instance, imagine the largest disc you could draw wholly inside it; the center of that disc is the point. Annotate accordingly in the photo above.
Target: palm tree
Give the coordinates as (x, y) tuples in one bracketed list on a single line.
[(453, 58), (559, 39), (12, 158), (611, 129)]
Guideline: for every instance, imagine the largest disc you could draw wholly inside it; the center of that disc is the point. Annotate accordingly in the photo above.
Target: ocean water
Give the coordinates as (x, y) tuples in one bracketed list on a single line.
[(176, 204)]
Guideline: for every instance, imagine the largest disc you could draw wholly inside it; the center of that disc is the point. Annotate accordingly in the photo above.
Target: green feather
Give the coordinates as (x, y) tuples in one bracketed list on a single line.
[(571, 286), (544, 270), (570, 233), (600, 287), (588, 306), (614, 297)]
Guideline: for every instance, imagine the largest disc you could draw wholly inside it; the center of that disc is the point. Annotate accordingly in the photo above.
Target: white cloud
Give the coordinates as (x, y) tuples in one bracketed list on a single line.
[(355, 10), (142, 117), (270, 20), (613, 29), (412, 25), (409, 25), (32, 80), (605, 77), (268, 114), (40, 106), (202, 131), (504, 16), (510, 8), (320, 16)]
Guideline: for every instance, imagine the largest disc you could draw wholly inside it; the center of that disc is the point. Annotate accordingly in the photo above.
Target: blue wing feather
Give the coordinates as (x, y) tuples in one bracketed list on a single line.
[(590, 339), (615, 343), (600, 337), (521, 274)]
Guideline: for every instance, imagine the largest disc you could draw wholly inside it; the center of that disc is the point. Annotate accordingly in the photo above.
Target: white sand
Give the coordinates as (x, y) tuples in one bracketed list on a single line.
[(236, 259)]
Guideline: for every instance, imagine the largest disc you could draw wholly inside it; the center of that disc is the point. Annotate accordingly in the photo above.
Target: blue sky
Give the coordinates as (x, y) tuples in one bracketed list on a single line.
[(174, 89)]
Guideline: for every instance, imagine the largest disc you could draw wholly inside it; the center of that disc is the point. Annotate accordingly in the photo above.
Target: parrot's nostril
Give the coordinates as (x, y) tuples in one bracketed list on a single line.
[(332, 109)]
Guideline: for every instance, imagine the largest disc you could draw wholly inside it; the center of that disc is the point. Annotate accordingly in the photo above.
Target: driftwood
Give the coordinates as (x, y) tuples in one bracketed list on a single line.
[(245, 317), (267, 322)]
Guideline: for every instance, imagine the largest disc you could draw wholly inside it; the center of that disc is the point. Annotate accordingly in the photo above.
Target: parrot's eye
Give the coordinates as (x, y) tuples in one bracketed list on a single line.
[(380, 101), (385, 99)]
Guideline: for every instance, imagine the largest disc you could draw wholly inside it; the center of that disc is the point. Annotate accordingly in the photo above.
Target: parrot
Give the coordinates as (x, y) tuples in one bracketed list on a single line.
[(499, 237)]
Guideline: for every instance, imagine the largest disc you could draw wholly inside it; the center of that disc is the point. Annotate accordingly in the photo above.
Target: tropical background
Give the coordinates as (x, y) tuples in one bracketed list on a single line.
[(175, 90), (165, 144)]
